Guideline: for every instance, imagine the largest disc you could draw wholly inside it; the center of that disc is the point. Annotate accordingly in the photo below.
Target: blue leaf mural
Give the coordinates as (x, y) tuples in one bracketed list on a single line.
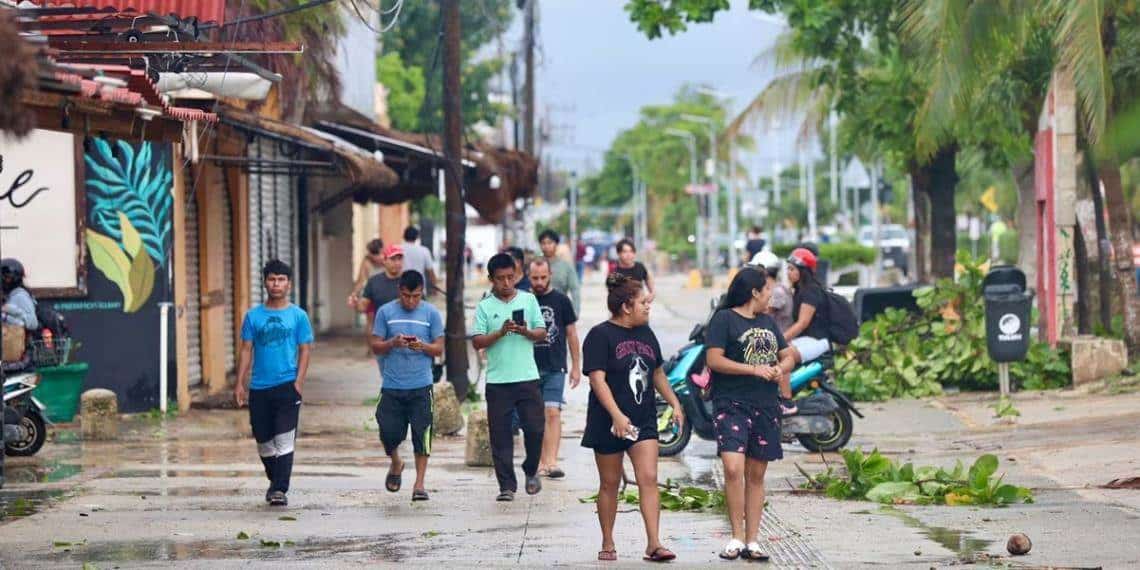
[(134, 180)]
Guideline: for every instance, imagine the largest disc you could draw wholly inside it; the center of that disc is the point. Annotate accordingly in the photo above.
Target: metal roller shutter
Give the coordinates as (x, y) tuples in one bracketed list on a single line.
[(193, 295), (272, 217), (228, 287)]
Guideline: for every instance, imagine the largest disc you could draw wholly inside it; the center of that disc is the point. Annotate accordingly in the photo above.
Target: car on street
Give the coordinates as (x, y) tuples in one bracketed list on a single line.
[(894, 241)]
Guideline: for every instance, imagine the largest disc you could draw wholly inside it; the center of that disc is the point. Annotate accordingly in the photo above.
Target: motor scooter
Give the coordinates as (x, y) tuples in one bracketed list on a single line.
[(823, 421), (25, 423)]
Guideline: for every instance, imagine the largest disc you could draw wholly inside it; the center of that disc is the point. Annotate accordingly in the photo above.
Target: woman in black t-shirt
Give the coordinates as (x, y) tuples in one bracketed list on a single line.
[(623, 361), (628, 265), (747, 356), (808, 333)]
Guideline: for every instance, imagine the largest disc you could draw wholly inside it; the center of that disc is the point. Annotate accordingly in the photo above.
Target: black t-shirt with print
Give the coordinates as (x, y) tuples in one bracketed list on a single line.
[(637, 271), (629, 358), (558, 312), (756, 342), (811, 295)]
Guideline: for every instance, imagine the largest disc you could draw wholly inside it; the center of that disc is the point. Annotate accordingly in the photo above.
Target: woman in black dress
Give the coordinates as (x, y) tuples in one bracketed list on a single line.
[(748, 356), (628, 265), (623, 361)]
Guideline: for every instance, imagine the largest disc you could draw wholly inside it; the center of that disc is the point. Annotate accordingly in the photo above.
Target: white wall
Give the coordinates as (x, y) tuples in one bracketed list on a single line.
[(356, 62)]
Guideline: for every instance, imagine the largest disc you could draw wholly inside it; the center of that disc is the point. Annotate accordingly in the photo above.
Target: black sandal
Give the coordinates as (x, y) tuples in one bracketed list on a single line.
[(393, 482), (419, 495), (754, 553)]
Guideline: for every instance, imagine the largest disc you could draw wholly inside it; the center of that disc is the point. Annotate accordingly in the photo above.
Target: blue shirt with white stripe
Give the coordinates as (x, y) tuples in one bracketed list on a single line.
[(404, 368)]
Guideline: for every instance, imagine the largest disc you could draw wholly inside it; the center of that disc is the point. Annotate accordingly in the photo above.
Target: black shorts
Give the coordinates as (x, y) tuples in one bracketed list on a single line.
[(399, 409), (599, 437), (748, 429)]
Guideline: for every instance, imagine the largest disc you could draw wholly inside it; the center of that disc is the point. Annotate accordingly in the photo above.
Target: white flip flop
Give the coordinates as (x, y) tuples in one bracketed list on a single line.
[(732, 550)]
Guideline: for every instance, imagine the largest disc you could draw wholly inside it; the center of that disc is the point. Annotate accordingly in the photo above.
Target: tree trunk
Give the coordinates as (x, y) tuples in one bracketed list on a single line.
[(1124, 271), (1088, 181), (1023, 175), (943, 230), (1081, 259), (920, 183)]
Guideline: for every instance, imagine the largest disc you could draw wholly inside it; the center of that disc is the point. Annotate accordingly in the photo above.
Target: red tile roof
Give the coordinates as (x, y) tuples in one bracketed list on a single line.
[(204, 10)]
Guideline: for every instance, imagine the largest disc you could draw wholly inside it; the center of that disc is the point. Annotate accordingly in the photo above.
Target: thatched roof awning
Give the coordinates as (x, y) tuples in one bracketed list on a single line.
[(366, 174), (18, 70), (416, 157)]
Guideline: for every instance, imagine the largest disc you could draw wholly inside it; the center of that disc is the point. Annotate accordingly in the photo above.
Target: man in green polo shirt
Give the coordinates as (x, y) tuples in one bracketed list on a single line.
[(507, 324)]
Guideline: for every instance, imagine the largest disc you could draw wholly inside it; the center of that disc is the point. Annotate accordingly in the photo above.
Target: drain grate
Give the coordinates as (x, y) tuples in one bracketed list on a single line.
[(793, 550)]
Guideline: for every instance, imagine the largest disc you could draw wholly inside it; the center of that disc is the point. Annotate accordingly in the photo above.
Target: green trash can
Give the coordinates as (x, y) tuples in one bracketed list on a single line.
[(59, 389)]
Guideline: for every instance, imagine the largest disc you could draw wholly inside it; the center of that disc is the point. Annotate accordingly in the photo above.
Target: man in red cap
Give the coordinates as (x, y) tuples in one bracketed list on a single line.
[(808, 333), (383, 287)]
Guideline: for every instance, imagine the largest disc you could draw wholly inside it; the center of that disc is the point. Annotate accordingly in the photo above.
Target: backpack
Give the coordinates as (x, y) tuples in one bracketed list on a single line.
[(842, 325), (52, 320)]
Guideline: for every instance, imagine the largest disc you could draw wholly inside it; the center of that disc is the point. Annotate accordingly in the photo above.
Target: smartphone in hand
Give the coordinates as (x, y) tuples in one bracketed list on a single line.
[(518, 317)]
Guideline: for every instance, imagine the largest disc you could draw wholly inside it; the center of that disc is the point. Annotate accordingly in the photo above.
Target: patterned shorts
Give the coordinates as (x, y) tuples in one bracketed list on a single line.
[(751, 430)]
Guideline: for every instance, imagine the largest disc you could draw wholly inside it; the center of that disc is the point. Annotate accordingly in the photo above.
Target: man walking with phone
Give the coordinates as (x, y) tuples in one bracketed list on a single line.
[(507, 324), (276, 341), (550, 356), (407, 336)]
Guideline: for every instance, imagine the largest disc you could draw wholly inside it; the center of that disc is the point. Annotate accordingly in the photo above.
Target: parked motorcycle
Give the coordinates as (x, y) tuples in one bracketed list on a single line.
[(823, 421), (25, 426)]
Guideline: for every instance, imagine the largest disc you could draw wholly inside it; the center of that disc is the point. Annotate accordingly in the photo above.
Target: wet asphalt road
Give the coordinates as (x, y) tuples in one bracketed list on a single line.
[(185, 490)]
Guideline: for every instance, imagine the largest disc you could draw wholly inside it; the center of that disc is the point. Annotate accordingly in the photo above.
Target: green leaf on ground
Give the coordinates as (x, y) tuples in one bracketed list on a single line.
[(287, 518), (270, 543), (243, 535)]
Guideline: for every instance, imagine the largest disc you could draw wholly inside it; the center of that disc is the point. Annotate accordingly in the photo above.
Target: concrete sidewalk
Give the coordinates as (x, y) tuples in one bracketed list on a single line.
[(182, 490)]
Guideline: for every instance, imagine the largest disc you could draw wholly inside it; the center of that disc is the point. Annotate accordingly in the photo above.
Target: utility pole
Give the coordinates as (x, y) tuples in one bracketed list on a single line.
[(875, 171), (528, 95), (733, 217), (574, 214), (776, 176), (702, 235), (813, 223), (456, 348), (832, 124)]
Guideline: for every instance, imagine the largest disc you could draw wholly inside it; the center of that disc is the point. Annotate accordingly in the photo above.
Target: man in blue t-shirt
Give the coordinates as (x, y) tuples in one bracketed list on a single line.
[(407, 337), (276, 340)]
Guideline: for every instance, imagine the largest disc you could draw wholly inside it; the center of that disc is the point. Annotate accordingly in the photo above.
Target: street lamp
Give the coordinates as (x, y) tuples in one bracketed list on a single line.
[(640, 203), (710, 171), (691, 143)]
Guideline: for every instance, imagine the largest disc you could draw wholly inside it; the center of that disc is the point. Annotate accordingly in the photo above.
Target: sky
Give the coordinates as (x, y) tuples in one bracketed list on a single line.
[(596, 70)]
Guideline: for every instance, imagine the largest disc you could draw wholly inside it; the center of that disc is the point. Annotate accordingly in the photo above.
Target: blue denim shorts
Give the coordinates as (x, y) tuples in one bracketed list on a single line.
[(553, 385)]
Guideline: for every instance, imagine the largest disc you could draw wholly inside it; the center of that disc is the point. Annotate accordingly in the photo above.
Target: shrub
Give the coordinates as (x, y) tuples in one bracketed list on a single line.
[(900, 354)]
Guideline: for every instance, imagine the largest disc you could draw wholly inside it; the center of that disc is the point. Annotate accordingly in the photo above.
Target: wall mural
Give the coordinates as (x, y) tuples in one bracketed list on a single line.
[(129, 204)]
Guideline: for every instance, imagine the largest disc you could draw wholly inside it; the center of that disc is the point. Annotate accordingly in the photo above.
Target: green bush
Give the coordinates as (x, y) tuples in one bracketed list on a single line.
[(840, 254), (900, 354)]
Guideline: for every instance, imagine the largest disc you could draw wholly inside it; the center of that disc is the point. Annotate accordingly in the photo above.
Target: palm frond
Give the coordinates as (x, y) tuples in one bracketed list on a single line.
[(789, 94), (783, 56), (1080, 53), (136, 183)]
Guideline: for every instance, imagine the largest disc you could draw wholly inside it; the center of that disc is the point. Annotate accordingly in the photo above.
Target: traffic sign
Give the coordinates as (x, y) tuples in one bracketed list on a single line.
[(700, 189)]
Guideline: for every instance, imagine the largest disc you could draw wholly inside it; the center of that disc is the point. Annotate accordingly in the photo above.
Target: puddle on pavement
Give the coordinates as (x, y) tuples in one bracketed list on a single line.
[(223, 473), (960, 542), (39, 471), (19, 504), (387, 548)]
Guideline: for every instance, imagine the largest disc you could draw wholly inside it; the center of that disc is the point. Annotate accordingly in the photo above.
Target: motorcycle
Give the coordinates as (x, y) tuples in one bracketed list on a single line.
[(823, 421), (25, 425)]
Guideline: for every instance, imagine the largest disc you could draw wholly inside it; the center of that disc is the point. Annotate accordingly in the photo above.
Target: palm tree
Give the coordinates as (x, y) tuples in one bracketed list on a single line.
[(1095, 42), (886, 114)]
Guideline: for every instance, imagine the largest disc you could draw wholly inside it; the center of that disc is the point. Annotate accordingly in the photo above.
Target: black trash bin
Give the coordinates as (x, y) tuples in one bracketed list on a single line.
[(1008, 306)]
